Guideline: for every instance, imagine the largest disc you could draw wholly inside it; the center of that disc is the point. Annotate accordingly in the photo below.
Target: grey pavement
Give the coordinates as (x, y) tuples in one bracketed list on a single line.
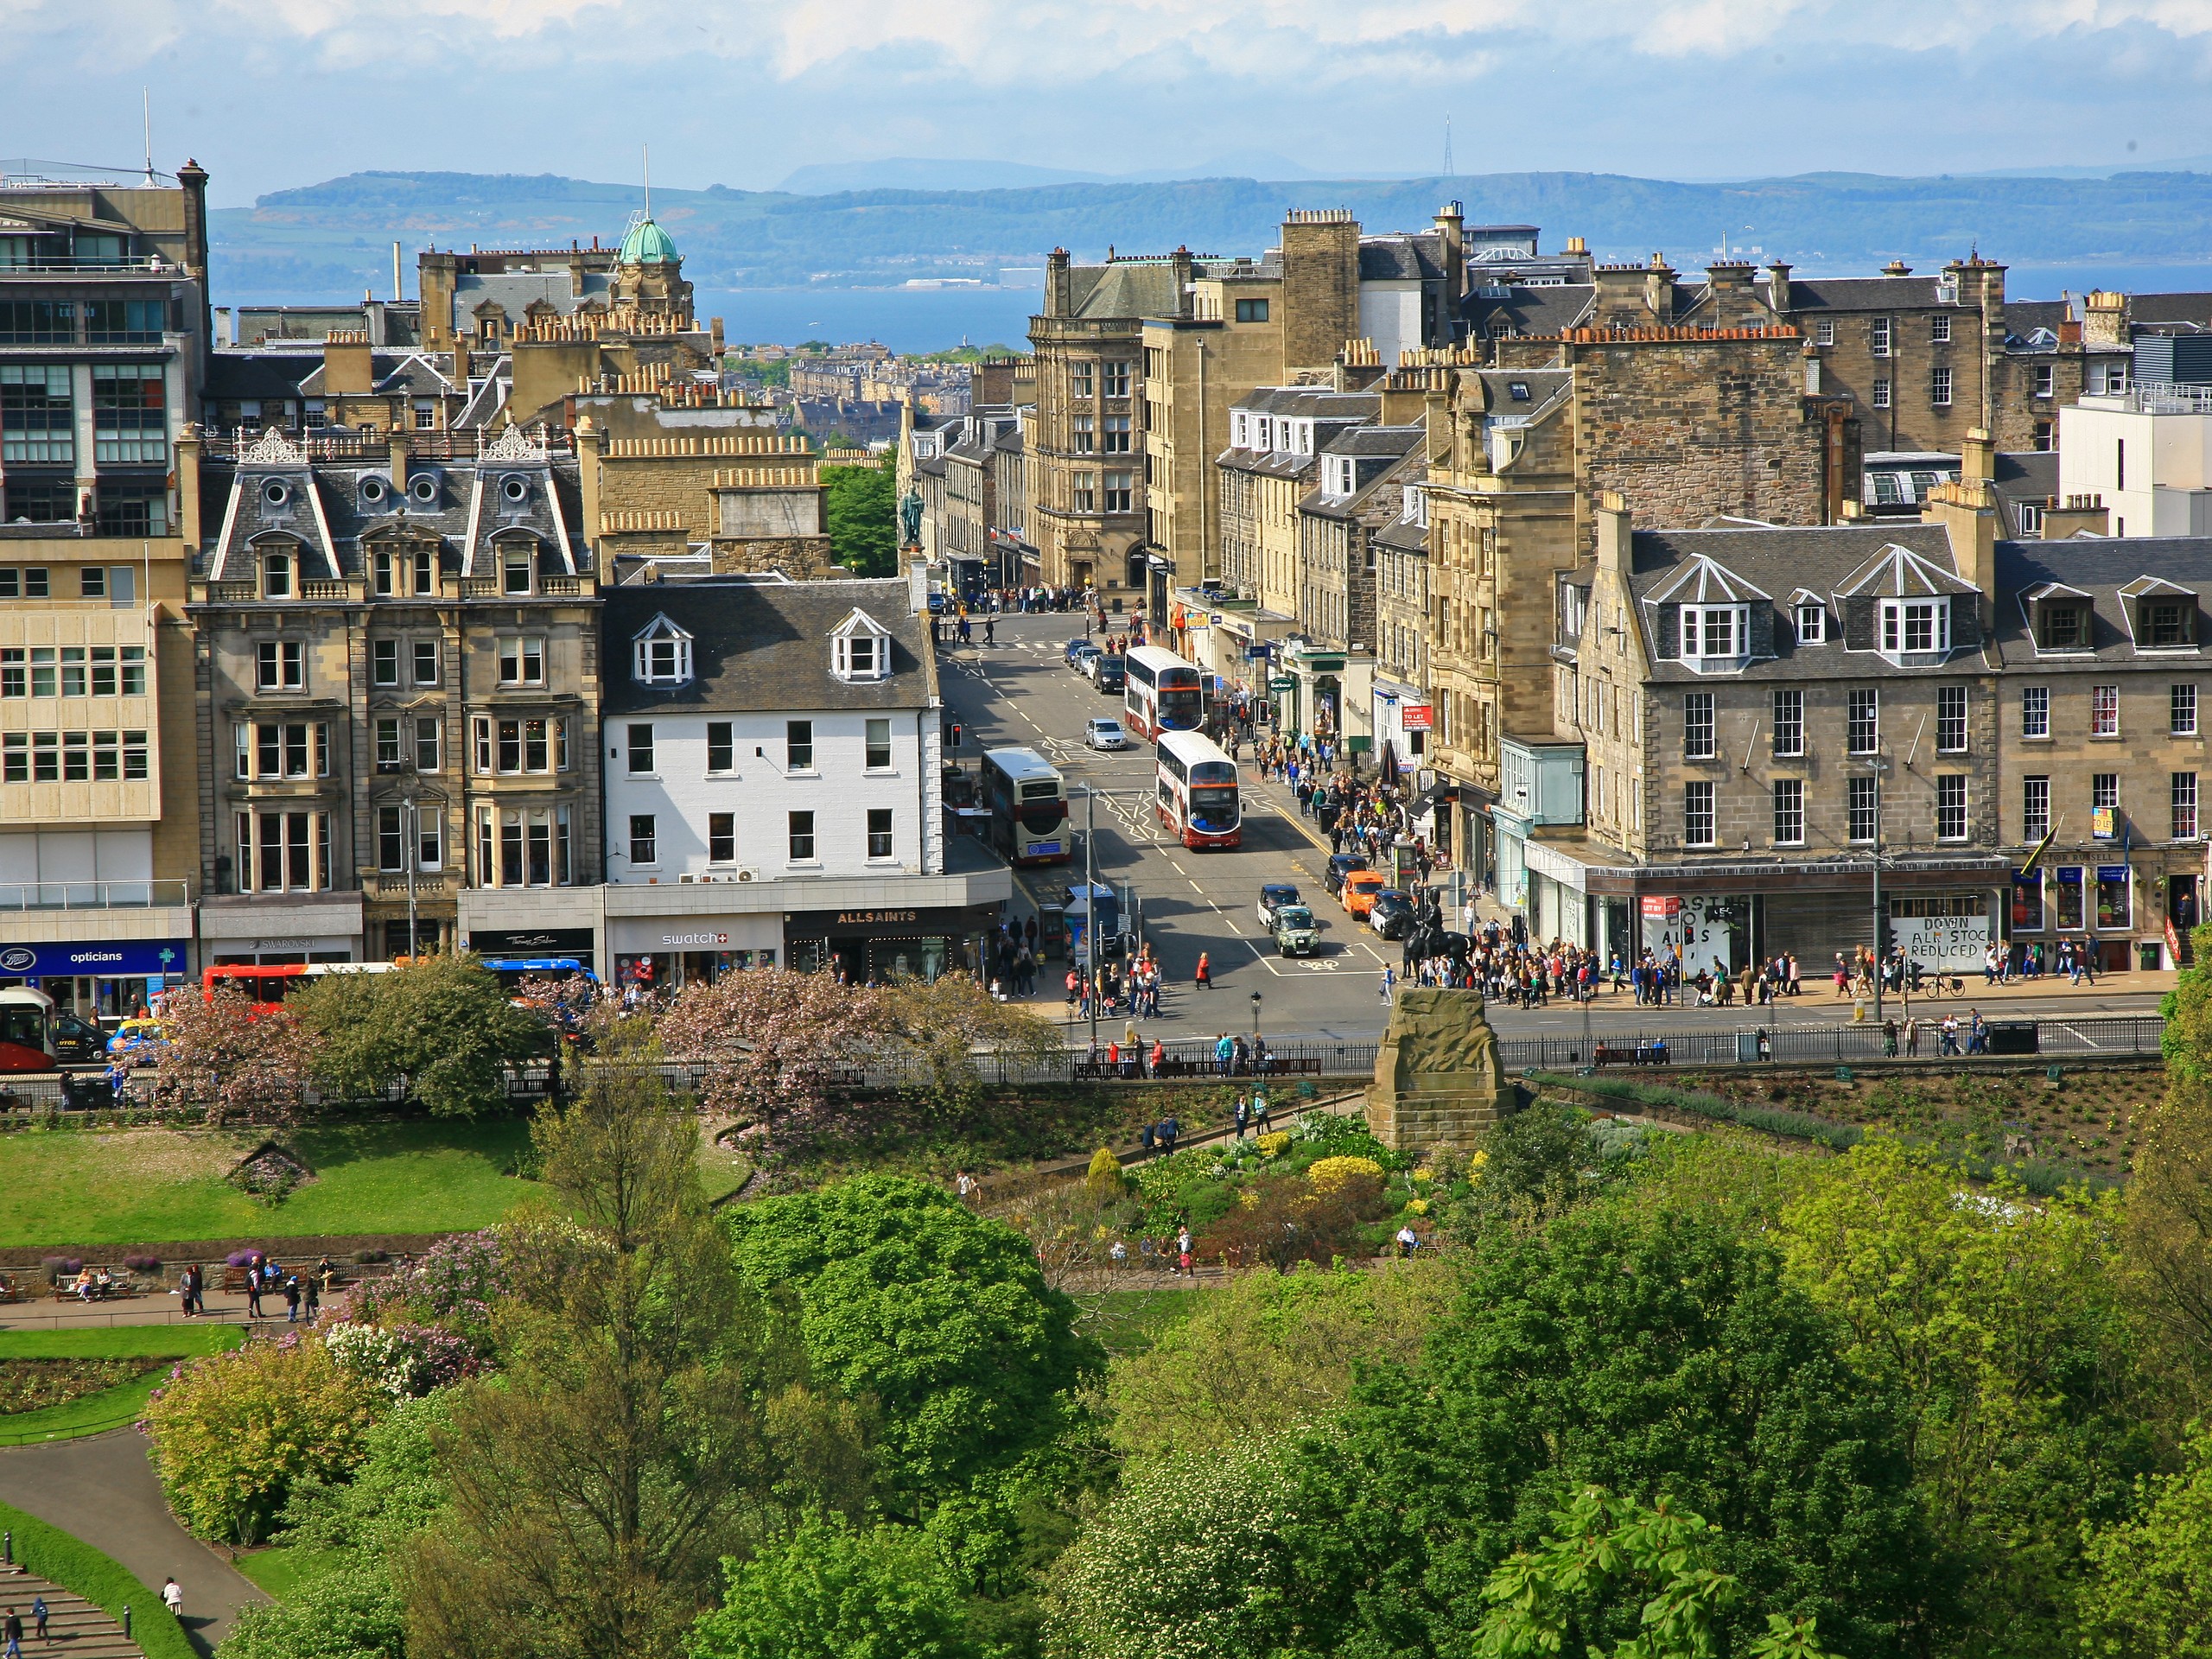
[(103, 1489)]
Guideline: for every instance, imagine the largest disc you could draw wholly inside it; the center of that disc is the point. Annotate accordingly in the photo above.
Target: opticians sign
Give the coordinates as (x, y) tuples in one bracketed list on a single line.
[(102, 959)]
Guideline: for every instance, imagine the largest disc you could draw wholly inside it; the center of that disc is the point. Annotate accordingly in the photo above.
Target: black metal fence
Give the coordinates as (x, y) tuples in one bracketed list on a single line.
[(2100, 1036)]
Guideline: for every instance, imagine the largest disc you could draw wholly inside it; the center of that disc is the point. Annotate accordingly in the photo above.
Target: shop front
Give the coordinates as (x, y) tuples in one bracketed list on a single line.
[(1724, 918), (243, 928), (98, 978), (1331, 695), (1401, 718), (2133, 914), (667, 953), (880, 946), (557, 943)]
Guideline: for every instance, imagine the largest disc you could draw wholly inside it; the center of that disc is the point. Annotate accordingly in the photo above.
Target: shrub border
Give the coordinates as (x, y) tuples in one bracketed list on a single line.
[(2038, 1176), (69, 1561)]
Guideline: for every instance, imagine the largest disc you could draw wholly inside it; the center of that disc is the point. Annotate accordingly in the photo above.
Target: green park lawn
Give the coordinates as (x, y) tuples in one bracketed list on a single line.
[(283, 1570), (131, 1186)]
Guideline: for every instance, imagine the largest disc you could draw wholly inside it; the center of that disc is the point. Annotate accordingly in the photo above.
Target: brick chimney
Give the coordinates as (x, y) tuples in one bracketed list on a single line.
[(2105, 318)]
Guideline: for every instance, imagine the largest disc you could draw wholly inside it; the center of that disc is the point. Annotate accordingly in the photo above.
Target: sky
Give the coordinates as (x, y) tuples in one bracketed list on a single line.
[(268, 94)]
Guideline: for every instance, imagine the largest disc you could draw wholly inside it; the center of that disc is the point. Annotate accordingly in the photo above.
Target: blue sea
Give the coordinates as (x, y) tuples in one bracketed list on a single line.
[(905, 319)]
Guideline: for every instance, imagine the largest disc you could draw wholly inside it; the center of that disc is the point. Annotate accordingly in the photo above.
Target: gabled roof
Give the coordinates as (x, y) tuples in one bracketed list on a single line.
[(763, 647), (1704, 581), (1897, 572), (859, 622), (2144, 587), (2098, 570)]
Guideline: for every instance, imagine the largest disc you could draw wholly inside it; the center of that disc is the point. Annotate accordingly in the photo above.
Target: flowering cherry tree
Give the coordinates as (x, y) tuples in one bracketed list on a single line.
[(238, 1063), (774, 1043)]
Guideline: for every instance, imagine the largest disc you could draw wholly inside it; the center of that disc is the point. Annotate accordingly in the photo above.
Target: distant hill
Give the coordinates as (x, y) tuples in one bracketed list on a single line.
[(916, 173), (330, 240)]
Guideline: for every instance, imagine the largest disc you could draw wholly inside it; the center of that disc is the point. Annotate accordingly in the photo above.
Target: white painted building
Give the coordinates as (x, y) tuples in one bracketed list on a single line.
[(2146, 450), (773, 791)]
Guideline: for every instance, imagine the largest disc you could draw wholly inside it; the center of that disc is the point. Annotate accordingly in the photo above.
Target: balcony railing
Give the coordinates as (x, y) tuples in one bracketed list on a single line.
[(386, 884), (91, 895), (323, 588), (151, 266)]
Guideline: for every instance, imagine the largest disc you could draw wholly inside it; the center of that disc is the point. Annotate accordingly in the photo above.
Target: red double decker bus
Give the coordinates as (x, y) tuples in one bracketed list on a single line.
[(270, 984), (1199, 797), (1160, 692)]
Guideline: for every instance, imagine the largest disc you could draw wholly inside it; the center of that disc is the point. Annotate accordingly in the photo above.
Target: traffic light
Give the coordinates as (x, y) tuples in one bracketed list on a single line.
[(952, 734)]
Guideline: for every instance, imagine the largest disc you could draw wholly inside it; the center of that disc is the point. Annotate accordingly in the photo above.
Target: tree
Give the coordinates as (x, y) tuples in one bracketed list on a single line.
[(773, 1045), (1271, 1350), (2168, 1232), (832, 1590), (349, 1612), (443, 1026), (1609, 1549), (1996, 1323), (1659, 1356), (234, 1433), (596, 1482), (1535, 1164), (1189, 1561), (944, 1026), (223, 1057), (2150, 1590), (941, 1317), (861, 507)]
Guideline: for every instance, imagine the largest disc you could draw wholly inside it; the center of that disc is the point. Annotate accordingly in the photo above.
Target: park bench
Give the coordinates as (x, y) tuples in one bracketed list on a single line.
[(1640, 1054)]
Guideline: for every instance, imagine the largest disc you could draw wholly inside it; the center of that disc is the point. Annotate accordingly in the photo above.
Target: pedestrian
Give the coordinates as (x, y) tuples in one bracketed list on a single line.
[(1204, 978), (39, 1615), (1182, 1252), (1409, 1240), (965, 1185), (313, 1292), (1244, 1115), (12, 1629), (253, 1293), (1224, 1053), (173, 1598), (291, 1298)]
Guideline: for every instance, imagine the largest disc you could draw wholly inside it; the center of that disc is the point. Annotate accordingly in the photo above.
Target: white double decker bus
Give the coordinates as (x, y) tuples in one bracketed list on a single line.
[(1028, 801), (1160, 692), (1199, 799)]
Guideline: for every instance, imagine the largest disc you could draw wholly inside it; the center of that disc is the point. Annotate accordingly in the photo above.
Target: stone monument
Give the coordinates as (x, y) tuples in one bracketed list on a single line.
[(1439, 1080)]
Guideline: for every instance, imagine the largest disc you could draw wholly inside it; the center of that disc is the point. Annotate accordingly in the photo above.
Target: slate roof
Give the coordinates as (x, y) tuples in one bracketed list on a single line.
[(1124, 288), (2023, 478), (1415, 255), (330, 507), (1867, 293), (1531, 311), (764, 645), (515, 291), (235, 375), (2098, 567), (1823, 559)]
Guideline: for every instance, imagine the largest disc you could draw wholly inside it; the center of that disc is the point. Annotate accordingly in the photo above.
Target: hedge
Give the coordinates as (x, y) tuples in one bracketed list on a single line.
[(78, 1568), (2037, 1175)]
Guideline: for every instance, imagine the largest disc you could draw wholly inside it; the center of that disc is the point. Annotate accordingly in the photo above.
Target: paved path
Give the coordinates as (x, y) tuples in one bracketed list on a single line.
[(103, 1490), (83, 1631)]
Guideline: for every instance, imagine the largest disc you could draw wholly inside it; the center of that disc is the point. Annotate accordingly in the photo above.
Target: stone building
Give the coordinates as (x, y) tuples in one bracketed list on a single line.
[(398, 688), (675, 471), (1402, 714), (485, 295), (104, 348), (1271, 462), (1358, 492), (1754, 712), (1694, 420)]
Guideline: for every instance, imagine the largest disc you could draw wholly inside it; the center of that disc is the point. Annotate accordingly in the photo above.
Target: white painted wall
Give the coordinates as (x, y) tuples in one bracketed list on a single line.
[(77, 856), (1389, 314), (680, 794), (2169, 465)]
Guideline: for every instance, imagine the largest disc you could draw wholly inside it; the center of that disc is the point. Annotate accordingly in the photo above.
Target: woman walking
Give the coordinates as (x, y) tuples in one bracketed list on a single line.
[(1204, 978)]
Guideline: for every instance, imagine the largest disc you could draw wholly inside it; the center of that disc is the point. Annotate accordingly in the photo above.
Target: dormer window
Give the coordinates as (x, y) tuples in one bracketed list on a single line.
[(518, 567), (1812, 623), (2062, 625), (1914, 626), (276, 576), (661, 655), (860, 649), (1715, 636), (2169, 623)]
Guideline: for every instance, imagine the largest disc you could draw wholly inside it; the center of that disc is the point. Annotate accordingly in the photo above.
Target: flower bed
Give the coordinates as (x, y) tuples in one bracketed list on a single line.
[(35, 1384)]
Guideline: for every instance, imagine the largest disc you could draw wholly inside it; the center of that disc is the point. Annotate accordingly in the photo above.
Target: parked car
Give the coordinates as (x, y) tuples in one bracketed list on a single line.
[(1295, 931), (1103, 733), (1273, 897), (134, 1034), (1074, 649), (78, 1039), (1393, 913), (1079, 655), (1339, 865), (1360, 888), (1103, 668)]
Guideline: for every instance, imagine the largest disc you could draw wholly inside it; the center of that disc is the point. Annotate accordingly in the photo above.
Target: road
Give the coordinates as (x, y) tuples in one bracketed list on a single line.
[(1019, 691)]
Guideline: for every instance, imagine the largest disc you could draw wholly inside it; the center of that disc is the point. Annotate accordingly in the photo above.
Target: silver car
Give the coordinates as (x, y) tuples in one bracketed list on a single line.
[(1105, 734)]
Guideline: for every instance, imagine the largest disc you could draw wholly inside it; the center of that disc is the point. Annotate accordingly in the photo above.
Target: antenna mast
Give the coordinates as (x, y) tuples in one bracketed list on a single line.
[(1448, 172), (147, 94), (648, 151)]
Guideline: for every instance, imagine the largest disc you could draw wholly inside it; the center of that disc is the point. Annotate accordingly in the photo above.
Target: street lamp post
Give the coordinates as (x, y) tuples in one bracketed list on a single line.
[(410, 849), (1255, 1016), (1877, 764), (1092, 946)]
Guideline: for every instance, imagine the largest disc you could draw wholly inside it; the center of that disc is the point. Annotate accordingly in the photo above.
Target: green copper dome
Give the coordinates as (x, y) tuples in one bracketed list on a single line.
[(648, 245)]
